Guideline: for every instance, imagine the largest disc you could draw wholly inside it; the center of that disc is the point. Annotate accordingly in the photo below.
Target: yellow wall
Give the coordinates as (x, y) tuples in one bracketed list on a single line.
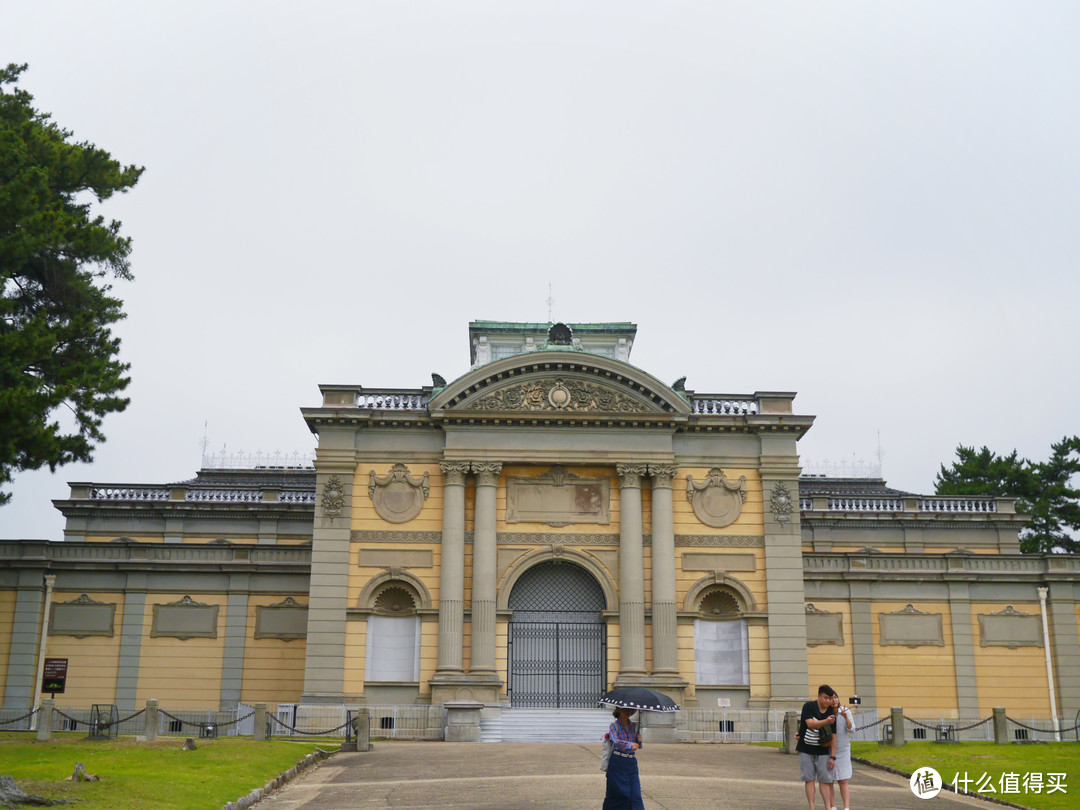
[(93, 662), (1015, 679), (181, 674), (751, 520), (923, 679), (273, 667), (7, 622), (831, 663)]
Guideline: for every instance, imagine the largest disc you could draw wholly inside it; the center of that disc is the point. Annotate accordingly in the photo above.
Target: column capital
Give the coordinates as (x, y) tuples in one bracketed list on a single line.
[(630, 474), (454, 472), (662, 474), (487, 472)]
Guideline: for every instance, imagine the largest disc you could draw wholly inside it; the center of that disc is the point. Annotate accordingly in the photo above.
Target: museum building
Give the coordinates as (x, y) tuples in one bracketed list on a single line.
[(551, 524)]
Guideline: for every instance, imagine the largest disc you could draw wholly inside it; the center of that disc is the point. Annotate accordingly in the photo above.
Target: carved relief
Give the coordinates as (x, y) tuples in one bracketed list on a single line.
[(557, 498), (716, 501), (630, 475), (557, 394), (662, 474), (333, 499), (454, 472), (911, 627), (398, 497), (82, 617), (1010, 628), (487, 472), (823, 627), (185, 619), (781, 502)]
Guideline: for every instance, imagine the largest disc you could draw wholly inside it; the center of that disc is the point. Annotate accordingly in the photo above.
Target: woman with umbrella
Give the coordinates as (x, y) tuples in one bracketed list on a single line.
[(623, 782)]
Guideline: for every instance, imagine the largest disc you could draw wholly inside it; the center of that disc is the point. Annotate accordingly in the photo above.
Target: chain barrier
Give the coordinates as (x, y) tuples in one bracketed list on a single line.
[(30, 713), (309, 733), (1042, 730), (878, 723), (183, 722), (954, 728), (122, 719), (69, 717), (234, 721)]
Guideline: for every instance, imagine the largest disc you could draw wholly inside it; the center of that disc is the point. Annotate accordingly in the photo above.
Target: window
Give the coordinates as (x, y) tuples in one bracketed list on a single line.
[(721, 653), (393, 649)]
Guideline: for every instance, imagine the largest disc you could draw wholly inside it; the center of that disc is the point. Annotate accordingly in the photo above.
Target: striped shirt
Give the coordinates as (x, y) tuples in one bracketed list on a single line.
[(623, 738)]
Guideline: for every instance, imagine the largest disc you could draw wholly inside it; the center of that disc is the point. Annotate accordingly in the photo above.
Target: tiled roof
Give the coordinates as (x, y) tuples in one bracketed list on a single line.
[(858, 487)]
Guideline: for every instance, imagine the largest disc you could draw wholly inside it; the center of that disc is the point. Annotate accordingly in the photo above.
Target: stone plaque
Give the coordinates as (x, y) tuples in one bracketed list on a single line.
[(1010, 628), (557, 498), (285, 620), (716, 501), (185, 619), (401, 558), (398, 497), (823, 627), (911, 628), (82, 617), (692, 561)]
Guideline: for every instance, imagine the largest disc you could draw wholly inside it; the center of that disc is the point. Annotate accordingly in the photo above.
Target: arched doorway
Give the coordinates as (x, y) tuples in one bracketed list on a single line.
[(557, 641)]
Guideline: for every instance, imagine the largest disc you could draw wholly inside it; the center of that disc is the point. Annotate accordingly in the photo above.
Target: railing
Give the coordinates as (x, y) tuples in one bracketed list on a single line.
[(404, 722), (730, 725), (129, 494), (292, 496), (866, 505), (957, 505), (391, 401), (711, 405), (224, 495), (74, 551)]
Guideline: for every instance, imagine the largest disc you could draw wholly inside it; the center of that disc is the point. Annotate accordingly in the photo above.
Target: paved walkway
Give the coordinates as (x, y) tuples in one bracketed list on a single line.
[(566, 776)]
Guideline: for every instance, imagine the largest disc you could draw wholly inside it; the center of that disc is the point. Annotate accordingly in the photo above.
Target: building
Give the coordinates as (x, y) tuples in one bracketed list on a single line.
[(551, 523)]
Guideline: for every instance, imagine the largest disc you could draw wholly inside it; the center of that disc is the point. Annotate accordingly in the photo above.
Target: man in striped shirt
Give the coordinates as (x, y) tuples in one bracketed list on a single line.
[(817, 756)]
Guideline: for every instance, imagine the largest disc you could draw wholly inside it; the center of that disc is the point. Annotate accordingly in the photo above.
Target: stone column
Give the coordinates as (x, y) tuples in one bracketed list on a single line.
[(631, 574), (452, 571), (484, 570), (665, 640)]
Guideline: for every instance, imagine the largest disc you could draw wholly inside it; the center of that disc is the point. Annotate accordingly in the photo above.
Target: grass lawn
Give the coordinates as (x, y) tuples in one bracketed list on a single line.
[(979, 758), (149, 776)]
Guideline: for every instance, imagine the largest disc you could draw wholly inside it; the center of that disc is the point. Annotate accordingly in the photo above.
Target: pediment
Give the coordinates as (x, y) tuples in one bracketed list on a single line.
[(559, 383)]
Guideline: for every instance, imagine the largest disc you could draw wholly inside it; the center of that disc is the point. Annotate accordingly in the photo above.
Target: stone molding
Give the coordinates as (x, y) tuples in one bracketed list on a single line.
[(630, 475), (781, 502), (911, 627), (662, 475), (185, 619), (397, 496), (333, 497), (487, 472), (82, 617), (547, 538), (557, 498), (718, 580), (823, 627), (558, 394), (1010, 628), (716, 501)]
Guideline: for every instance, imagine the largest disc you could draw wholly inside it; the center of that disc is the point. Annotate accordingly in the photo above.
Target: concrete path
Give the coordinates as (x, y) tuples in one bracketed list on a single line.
[(566, 776)]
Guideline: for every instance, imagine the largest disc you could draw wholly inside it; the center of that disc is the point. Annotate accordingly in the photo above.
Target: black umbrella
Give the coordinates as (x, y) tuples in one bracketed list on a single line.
[(639, 698)]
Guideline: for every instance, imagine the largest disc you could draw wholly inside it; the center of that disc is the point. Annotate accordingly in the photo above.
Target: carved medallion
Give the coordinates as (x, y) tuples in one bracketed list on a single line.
[(333, 499), (398, 497), (781, 503), (716, 501)]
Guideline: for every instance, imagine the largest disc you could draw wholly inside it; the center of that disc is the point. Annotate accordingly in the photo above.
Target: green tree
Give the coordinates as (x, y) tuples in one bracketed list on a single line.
[(59, 369), (1043, 489)]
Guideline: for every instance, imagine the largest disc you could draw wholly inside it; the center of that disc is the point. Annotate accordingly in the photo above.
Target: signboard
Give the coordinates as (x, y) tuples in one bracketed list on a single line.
[(54, 675)]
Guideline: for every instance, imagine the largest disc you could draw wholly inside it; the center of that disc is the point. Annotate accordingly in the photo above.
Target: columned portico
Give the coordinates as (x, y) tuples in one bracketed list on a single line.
[(631, 575)]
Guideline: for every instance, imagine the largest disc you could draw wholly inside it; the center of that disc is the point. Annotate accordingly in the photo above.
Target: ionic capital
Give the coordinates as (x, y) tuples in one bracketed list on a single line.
[(662, 475), (487, 472), (630, 475), (454, 472)]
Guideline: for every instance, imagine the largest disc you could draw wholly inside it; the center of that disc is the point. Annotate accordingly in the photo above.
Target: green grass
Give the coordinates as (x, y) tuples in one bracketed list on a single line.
[(978, 758), (149, 776)]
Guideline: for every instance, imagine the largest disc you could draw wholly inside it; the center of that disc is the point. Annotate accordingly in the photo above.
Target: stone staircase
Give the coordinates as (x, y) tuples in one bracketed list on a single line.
[(546, 725)]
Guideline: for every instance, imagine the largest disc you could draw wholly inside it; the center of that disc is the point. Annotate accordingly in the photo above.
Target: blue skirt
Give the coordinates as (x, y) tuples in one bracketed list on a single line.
[(623, 784)]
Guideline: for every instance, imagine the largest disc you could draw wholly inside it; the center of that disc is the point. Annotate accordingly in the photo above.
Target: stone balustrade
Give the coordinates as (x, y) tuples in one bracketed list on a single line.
[(392, 401), (129, 494), (224, 495), (911, 504), (115, 552), (200, 495), (719, 405)]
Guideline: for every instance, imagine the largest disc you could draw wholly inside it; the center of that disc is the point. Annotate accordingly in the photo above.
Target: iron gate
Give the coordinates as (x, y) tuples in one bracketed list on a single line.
[(557, 645), (557, 664)]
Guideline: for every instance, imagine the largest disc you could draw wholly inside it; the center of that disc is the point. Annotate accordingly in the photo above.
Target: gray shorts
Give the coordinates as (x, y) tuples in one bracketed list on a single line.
[(815, 767)]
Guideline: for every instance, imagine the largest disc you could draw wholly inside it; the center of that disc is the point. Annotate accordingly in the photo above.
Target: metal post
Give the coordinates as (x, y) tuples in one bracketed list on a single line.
[(1049, 665), (50, 581)]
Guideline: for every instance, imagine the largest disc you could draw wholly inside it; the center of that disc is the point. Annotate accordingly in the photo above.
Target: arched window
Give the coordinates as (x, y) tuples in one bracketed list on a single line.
[(721, 643), (393, 635)]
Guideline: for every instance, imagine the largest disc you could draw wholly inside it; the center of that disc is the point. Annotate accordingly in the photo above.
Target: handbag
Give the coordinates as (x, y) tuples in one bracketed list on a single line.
[(825, 734), (605, 754)]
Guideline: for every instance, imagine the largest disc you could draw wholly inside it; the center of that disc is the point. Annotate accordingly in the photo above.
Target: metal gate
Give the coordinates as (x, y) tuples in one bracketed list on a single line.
[(557, 645)]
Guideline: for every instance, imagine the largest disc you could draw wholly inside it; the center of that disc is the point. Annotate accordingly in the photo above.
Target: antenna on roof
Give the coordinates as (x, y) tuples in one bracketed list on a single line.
[(551, 303), (205, 441), (880, 456)]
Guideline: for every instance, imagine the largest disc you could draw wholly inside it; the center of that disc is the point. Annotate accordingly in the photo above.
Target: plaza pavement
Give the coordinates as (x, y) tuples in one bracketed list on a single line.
[(566, 776)]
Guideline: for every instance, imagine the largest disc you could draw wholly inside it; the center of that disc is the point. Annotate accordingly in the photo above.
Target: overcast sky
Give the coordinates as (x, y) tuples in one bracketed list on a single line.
[(872, 204)]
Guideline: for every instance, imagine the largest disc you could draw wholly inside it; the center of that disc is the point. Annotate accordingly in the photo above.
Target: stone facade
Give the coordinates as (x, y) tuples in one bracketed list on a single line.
[(550, 524)]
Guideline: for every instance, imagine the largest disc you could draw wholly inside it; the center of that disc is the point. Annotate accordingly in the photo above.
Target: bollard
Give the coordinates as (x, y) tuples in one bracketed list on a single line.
[(45, 719), (259, 734), (897, 720), (791, 731), (363, 730), (150, 724), (1001, 726)]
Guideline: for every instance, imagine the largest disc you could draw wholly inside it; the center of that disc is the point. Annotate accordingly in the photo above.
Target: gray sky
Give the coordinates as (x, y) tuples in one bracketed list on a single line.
[(872, 204)]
